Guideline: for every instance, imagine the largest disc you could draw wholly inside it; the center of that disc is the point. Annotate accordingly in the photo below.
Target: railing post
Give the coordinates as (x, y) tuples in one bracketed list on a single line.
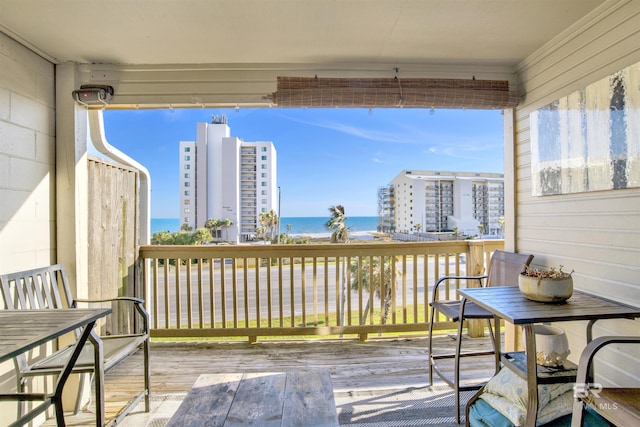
[(475, 267)]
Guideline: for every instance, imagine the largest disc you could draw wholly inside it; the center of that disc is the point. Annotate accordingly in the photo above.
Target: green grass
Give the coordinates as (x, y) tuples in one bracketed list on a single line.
[(298, 321)]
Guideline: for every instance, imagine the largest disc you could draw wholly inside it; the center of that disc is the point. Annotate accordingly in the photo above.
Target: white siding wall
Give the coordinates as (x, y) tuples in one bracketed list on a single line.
[(595, 233), (27, 158)]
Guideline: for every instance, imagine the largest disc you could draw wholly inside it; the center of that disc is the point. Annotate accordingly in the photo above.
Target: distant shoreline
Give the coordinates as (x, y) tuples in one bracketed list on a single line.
[(359, 235), (312, 227)]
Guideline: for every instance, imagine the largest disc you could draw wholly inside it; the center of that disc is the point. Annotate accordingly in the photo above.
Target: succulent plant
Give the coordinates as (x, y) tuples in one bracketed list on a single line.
[(551, 273)]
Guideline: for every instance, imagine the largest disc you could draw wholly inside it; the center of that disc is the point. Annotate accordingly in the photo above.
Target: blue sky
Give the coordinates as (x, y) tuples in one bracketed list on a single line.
[(325, 156)]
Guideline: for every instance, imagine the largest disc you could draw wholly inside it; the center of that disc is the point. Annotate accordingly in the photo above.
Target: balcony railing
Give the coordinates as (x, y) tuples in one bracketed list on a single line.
[(314, 289)]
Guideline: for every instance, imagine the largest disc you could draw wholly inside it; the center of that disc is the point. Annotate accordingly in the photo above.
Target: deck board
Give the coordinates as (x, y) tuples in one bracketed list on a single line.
[(355, 367)]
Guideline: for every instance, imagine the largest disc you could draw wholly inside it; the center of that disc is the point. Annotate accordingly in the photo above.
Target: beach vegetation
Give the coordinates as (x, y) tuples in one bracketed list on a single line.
[(378, 281), (337, 224)]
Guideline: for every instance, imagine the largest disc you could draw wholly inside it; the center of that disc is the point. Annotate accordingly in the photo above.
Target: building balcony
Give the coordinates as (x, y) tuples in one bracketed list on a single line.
[(289, 291)]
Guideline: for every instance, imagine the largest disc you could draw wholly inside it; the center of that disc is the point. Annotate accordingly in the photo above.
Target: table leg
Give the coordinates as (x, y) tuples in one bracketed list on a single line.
[(98, 376), (64, 375), (532, 375), (497, 345)]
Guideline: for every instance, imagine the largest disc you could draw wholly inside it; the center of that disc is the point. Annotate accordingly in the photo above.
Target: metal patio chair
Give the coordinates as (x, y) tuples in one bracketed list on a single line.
[(504, 269)]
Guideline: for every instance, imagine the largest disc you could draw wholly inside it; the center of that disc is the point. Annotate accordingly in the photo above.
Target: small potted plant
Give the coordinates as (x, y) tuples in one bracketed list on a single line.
[(546, 285)]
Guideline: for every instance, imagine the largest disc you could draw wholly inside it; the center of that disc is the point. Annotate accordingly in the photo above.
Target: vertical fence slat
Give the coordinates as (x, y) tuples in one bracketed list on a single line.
[(415, 288), (212, 294), (189, 294), (269, 296), (303, 289), (234, 290), (200, 285), (245, 288), (292, 293), (280, 295), (315, 291), (223, 291), (326, 291)]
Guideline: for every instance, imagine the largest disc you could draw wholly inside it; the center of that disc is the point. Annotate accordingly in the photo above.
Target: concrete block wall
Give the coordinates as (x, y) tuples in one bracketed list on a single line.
[(27, 158)]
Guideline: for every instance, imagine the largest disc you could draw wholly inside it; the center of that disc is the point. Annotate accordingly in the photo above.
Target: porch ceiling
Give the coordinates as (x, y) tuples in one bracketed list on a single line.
[(418, 32)]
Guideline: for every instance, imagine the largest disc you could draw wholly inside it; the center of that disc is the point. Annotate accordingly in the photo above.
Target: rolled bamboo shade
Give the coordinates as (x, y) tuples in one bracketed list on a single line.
[(393, 92)]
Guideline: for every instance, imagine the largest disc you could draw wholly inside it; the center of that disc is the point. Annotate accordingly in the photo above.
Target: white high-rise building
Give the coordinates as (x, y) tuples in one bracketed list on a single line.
[(224, 177), (438, 201)]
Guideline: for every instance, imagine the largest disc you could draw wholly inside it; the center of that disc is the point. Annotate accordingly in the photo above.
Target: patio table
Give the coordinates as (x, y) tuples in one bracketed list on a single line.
[(23, 330), (266, 399), (508, 303)]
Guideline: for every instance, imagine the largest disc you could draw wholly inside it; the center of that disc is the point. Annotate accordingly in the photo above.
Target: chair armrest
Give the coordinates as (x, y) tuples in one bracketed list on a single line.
[(138, 303), (445, 278), (586, 357), (132, 299)]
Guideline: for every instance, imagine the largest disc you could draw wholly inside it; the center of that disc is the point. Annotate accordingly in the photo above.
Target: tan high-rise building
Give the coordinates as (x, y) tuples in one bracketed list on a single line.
[(436, 201)]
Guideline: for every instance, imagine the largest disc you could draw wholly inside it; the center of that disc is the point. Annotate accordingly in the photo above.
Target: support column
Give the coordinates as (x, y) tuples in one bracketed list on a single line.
[(512, 333), (475, 267), (71, 196), (71, 181)]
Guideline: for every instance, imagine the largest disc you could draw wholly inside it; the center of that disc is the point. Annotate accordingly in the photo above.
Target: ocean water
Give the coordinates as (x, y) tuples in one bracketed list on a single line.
[(299, 225)]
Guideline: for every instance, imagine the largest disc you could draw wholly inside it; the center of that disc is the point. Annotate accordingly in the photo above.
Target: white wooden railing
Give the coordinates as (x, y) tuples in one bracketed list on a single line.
[(313, 289)]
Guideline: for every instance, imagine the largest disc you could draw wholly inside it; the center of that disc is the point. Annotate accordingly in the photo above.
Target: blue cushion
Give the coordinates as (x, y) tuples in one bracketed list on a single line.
[(481, 414)]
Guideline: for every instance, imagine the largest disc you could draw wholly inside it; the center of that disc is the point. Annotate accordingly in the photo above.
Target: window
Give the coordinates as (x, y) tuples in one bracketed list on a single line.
[(187, 149), (187, 175), (187, 158), (263, 157), (263, 174), (187, 202), (187, 166), (263, 183), (187, 210), (263, 149), (263, 192), (264, 201), (263, 166), (187, 184), (186, 193), (187, 219)]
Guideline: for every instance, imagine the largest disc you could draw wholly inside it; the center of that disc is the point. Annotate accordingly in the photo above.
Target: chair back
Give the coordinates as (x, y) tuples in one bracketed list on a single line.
[(38, 289), (505, 267)]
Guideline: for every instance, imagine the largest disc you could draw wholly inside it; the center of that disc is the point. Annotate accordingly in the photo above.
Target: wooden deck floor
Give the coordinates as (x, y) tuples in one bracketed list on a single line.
[(375, 367)]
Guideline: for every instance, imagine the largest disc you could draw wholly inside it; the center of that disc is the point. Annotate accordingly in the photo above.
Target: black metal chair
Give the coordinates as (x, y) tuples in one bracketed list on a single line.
[(504, 269)]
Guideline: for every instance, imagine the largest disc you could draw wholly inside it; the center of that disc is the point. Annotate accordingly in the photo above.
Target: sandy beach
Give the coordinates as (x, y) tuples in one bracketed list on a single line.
[(355, 235)]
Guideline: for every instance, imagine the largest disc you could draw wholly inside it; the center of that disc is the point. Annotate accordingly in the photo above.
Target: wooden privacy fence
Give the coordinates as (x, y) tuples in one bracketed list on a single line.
[(315, 289), (113, 230)]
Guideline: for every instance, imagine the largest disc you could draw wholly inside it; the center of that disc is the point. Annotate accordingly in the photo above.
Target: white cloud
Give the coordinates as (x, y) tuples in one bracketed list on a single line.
[(370, 134)]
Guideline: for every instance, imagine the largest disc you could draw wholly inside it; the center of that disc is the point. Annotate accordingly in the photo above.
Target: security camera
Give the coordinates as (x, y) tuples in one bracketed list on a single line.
[(92, 95)]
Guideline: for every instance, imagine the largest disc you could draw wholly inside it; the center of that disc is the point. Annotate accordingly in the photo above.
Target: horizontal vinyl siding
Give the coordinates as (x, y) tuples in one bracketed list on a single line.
[(597, 234)]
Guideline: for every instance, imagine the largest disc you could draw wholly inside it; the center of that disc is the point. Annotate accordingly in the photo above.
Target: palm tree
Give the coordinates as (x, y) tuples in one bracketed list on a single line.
[(337, 225), (269, 223), (273, 223), (264, 225), (339, 234)]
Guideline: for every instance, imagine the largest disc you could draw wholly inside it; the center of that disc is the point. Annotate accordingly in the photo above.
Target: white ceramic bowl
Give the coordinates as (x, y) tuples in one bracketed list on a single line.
[(552, 345), (546, 290)]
